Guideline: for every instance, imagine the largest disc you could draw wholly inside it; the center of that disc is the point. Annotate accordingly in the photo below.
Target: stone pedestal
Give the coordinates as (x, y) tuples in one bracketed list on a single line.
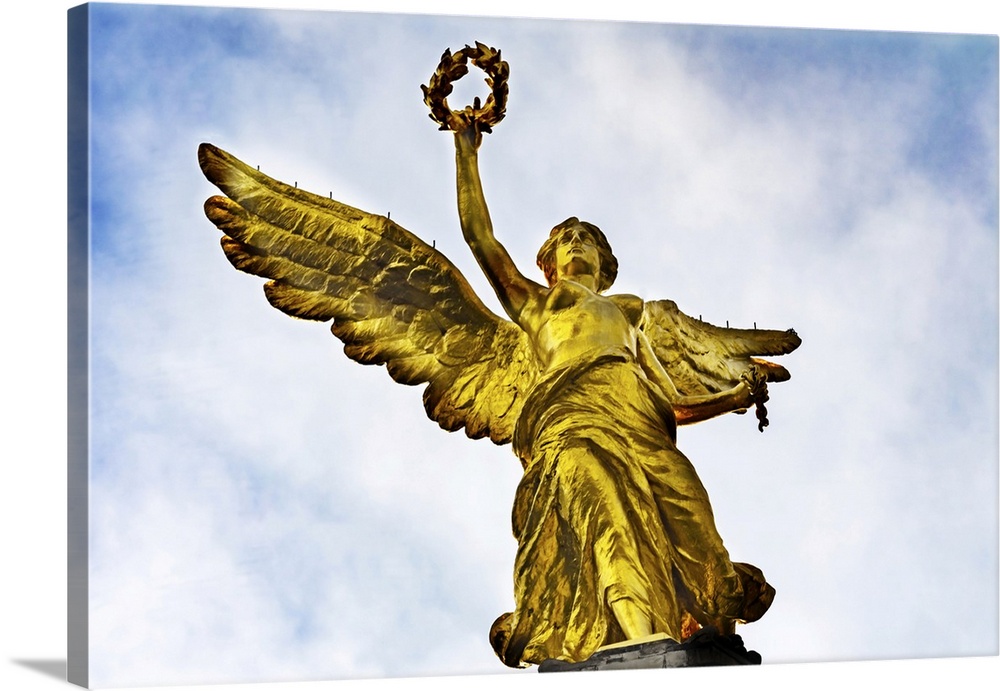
[(705, 649)]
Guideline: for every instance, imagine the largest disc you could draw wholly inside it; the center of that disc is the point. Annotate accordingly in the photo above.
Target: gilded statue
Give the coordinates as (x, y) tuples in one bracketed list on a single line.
[(616, 536)]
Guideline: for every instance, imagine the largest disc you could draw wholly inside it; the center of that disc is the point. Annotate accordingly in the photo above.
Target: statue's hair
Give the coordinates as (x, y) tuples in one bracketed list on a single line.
[(609, 263)]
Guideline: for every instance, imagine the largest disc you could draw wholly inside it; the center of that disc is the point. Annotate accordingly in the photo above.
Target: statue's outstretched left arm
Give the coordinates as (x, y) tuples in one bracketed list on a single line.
[(713, 369), (691, 408)]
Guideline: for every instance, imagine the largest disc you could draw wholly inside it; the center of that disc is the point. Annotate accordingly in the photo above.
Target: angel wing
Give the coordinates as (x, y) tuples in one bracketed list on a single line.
[(393, 299), (701, 358)]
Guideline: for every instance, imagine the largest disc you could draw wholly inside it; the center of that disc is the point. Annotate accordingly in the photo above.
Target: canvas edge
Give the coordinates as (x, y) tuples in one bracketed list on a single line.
[(78, 269)]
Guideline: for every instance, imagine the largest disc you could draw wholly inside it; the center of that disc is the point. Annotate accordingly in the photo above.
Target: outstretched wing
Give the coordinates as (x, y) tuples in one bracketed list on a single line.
[(393, 299), (702, 358)]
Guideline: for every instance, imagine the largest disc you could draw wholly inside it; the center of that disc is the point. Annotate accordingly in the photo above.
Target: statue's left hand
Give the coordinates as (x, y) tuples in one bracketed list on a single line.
[(756, 383)]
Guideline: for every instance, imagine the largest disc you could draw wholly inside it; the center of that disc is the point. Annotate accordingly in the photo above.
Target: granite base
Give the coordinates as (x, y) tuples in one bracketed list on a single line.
[(704, 649)]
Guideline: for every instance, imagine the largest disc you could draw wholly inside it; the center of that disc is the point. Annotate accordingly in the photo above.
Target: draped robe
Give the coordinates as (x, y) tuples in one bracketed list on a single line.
[(608, 508)]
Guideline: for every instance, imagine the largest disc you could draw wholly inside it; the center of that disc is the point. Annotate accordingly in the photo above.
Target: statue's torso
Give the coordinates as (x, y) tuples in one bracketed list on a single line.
[(572, 320)]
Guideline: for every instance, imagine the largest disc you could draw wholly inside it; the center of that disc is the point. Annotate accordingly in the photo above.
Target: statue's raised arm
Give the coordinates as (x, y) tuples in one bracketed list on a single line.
[(513, 289)]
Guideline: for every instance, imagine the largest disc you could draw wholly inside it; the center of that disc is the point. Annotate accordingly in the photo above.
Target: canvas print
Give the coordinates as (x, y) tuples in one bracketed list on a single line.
[(249, 503)]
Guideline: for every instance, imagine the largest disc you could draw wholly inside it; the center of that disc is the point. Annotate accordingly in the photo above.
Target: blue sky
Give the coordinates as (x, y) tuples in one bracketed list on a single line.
[(261, 501)]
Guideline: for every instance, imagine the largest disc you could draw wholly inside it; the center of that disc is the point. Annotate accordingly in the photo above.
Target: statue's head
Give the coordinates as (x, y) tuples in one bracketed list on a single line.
[(608, 269)]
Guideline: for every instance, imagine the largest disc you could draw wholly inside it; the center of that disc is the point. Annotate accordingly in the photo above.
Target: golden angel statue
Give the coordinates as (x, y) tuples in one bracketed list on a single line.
[(616, 536)]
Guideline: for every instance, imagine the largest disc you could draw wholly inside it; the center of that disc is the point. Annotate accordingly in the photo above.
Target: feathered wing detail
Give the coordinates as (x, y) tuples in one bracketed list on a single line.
[(393, 299), (702, 358)]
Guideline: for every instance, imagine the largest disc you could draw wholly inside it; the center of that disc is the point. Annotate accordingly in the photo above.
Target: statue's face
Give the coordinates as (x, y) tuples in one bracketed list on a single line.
[(577, 253)]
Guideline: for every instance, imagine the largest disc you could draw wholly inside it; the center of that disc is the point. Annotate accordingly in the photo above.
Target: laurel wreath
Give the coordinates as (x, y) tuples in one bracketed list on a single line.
[(454, 66)]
